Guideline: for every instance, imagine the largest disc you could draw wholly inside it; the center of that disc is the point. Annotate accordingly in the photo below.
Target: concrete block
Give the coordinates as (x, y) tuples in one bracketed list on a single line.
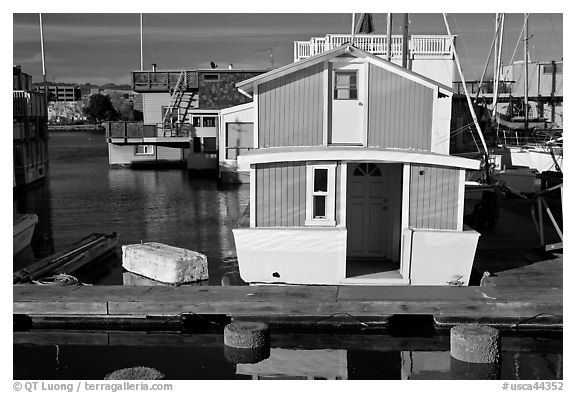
[(246, 335), (135, 373), (165, 263)]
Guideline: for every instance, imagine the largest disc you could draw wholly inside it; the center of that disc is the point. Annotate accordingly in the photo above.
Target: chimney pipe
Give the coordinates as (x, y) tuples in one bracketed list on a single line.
[(231, 66), (153, 67)]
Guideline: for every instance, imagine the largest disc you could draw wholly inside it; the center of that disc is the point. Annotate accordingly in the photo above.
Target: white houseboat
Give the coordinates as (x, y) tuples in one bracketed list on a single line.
[(351, 181)]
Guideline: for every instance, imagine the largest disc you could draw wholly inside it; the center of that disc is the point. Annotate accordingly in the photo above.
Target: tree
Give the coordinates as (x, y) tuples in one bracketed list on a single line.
[(100, 108), (123, 106)]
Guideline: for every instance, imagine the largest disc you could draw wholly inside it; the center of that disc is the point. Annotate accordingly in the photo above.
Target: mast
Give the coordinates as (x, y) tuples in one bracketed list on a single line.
[(141, 47), (495, 81), (389, 37), (526, 74), (470, 106), (405, 42), (353, 28), (498, 65), (43, 62)]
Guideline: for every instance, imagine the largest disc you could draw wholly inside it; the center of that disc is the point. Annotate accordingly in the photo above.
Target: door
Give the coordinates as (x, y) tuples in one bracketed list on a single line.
[(366, 211), (347, 106)]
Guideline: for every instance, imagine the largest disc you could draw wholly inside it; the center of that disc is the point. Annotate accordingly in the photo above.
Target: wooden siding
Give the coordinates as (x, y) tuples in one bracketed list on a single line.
[(393, 227), (399, 111), (152, 104), (434, 197), (280, 194), (290, 109)]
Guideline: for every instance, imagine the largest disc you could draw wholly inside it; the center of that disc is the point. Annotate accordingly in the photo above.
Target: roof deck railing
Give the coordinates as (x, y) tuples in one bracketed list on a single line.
[(419, 45)]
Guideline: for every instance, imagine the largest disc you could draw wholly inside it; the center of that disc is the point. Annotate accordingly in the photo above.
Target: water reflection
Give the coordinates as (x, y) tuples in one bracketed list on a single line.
[(83, 195), (62, 355)]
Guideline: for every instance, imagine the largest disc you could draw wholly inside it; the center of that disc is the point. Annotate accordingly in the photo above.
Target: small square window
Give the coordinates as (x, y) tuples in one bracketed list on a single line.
[(196, 121), (144, 150), (208, 121), (211, 77), (345, 85)]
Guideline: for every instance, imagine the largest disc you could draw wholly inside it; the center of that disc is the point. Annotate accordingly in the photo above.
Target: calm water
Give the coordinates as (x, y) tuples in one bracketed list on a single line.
[(62, 355), (83, 195)]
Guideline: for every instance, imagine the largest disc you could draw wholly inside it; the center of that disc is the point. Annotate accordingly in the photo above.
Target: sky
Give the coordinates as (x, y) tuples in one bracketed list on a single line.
[(105, 47)]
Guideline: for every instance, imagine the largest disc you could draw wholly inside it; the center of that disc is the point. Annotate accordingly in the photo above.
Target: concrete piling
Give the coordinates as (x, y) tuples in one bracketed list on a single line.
[(475, 352), (246, 342), (135, 373)]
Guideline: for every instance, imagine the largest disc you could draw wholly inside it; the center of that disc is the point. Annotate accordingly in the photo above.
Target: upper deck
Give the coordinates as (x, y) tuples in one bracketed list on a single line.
[(418, 46)]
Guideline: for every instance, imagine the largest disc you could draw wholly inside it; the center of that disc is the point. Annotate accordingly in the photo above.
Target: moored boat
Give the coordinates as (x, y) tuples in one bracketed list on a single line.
[(24, 225)]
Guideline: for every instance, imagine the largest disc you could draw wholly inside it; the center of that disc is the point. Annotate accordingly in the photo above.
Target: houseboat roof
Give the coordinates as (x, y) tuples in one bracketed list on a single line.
[(353, 153), (248, 85)]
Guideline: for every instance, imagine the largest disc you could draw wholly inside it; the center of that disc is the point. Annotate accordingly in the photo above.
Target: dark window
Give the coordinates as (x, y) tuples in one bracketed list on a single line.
[(319, 206), (211, 77), (321, 180), (345, 87), (196, 144), (210, 144), (196, 121), (549, 69), (208, 121)]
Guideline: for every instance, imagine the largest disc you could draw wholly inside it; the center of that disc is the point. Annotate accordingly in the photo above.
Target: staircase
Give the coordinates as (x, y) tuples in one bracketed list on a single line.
[(180, 98)]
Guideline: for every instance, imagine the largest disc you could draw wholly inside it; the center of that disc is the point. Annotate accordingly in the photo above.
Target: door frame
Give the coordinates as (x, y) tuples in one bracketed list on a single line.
[(405, 231), (338, 63)]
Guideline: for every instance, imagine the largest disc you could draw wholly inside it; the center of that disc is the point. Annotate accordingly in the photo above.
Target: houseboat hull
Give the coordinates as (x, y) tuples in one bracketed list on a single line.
[(23, 230)]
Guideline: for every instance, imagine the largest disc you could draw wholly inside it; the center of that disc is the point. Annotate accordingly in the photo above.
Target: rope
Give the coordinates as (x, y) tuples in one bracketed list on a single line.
[(59, 279), (528, 319)]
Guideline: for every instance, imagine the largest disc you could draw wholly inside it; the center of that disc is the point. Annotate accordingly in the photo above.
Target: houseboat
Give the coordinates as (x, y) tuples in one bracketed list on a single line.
[(30, 131), (428, 55), (181, 112), (351, 181)]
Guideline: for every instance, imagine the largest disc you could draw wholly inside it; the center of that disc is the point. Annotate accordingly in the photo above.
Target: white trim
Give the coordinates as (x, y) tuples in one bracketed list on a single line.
[(461, 190), (330, 194), (434, 125), (410, 76), (237, 108), (326, 104), (252, 196), (365, 103), (255, 113), (343, 198), (244, 93), (404, 221), (353, 153)]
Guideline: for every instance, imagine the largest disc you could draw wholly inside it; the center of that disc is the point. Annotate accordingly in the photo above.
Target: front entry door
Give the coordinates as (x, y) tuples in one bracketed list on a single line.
[(347, 106), (366, 211)]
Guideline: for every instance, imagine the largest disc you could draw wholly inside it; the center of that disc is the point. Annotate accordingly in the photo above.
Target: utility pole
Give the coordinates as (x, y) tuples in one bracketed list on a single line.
[(141, 46)]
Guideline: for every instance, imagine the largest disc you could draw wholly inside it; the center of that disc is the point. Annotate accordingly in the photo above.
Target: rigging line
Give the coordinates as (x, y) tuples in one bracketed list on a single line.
[(486, 65), (518, 42)]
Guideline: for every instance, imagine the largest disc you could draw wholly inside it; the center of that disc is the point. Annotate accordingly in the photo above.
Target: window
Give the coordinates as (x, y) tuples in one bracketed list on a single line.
[(549, 69), (211, 77), (144, 150), (239, 139), (210, 144), (320, 194), (196, 121), (345, 87), (196, 144), (208, 121)]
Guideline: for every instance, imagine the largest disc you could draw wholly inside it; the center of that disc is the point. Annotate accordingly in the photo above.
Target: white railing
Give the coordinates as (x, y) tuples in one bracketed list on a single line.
[(420, 45)]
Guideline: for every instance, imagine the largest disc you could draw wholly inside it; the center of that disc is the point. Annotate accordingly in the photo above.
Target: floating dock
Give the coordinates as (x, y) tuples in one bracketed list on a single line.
[(517, 296)]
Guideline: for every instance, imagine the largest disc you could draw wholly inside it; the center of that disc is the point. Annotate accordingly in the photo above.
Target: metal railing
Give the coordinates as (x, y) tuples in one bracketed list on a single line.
[(539, 202), (137, 129), (163, 80), (376, 44)]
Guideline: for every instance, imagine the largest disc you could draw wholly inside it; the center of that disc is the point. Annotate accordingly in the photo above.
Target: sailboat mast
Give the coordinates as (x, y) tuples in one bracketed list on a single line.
[(43, 61), (141, 46), (495, 81), (526, 73), (389, 37)]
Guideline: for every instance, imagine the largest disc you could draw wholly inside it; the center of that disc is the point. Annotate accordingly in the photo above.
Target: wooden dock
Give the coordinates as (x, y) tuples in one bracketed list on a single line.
[(518, 296)]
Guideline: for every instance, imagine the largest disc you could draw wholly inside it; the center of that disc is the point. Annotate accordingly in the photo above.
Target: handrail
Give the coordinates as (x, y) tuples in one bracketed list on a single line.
[(539, 202)]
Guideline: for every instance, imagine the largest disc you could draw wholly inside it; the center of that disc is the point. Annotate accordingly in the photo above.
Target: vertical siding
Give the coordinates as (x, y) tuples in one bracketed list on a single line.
[(291, 109), (152, 106), (434, 197), (280, 194), (399, 111)]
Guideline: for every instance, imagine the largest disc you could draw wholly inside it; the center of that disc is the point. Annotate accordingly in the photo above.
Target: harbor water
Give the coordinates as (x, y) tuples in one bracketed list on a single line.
[(82, 194)]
